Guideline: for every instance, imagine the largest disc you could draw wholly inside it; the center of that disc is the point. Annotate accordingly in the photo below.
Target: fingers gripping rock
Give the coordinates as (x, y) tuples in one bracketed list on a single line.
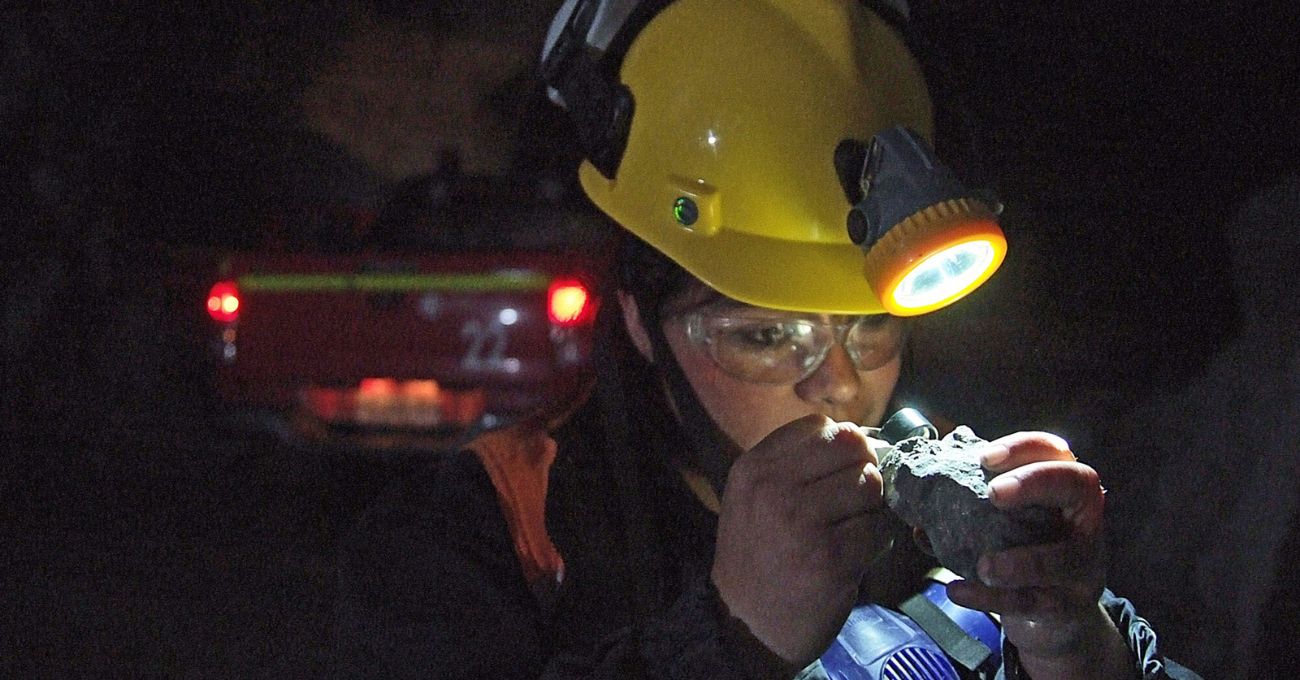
[(939, 486)]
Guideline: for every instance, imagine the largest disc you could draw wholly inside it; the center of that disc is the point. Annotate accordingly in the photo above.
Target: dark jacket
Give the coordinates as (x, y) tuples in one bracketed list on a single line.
[(431, 587)]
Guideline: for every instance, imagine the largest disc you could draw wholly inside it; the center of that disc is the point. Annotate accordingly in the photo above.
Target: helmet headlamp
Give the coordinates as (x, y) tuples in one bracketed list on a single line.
[(928, 241), (667, 119)]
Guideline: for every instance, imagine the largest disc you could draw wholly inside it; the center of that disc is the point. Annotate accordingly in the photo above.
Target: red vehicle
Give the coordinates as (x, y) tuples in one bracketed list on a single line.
[(467, 302)]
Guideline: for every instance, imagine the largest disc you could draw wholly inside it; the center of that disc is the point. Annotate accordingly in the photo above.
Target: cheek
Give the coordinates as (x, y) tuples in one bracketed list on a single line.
[(876, 391), (746, 412)]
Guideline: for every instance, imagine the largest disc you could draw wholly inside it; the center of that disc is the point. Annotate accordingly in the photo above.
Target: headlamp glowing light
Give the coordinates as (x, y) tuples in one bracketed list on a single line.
[(945, 276), (927, 241), (935, 258)]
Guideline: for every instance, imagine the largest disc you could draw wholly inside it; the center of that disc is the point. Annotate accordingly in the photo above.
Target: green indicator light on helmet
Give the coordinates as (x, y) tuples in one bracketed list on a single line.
[(685, 211)]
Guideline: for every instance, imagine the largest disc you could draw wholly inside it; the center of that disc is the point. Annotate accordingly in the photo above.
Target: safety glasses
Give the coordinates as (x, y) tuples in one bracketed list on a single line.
[(766, 346)]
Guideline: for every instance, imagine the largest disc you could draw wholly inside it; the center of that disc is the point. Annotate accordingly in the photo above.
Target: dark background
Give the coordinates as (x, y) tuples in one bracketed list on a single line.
[(143, 537)]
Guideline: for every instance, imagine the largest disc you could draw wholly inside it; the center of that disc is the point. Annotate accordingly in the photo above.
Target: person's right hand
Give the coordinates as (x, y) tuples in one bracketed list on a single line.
[(800, 520)]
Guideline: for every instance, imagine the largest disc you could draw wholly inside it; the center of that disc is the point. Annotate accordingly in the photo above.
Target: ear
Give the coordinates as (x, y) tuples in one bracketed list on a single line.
[(635, 329)]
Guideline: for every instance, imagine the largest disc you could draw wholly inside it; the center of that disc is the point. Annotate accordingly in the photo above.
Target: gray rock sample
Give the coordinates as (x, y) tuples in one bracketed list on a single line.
[(939, 486)]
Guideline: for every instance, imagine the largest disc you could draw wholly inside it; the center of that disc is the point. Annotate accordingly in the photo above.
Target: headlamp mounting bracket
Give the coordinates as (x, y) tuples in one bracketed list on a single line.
[(891, 178)]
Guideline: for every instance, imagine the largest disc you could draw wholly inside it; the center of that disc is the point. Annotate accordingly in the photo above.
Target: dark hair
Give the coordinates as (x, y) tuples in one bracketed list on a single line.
[(616, 443), (647, 274)]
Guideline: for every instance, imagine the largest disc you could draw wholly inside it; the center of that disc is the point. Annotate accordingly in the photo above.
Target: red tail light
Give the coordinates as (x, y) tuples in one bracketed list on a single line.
[(223, 302), (569, 303)]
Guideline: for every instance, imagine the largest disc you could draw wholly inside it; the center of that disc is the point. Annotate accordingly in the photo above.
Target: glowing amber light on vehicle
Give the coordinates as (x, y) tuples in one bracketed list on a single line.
[(223, 302), (377, 387), (569, 303)]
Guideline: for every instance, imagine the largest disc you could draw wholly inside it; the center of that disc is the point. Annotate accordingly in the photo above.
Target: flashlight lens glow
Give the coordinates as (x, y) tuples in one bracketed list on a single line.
[(944, 274)]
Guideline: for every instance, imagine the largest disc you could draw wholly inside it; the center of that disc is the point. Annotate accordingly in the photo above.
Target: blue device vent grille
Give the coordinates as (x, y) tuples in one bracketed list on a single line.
[(918, 663)]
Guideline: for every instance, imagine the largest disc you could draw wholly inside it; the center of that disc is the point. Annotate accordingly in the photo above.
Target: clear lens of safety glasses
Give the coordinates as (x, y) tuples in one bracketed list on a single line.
[(780, 349)]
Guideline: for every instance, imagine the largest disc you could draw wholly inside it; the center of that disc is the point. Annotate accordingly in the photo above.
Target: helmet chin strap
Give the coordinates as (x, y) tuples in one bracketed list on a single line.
[(708, 448)]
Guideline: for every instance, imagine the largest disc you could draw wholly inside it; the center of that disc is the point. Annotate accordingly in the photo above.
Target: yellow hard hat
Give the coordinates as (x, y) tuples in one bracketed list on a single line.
[(737, 108)]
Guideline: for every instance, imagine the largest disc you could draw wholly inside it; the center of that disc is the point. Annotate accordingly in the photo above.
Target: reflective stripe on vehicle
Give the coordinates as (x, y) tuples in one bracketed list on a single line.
[(377, 282)]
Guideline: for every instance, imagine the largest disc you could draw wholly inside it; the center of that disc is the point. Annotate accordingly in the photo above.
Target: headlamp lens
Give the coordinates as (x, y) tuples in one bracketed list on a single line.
[(945, 274)]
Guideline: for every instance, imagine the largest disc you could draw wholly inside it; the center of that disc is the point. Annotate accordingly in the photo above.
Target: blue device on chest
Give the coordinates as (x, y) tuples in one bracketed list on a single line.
[(877, 643)]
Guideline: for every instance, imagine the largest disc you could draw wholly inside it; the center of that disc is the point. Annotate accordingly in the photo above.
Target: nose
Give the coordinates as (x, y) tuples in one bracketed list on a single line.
[(835, 383)]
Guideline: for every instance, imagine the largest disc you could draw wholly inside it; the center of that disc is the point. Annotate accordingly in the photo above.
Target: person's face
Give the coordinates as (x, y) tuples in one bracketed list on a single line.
[(748, 410)]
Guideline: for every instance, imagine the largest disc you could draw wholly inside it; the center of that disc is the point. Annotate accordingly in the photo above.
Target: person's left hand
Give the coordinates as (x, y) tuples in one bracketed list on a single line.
[(1048, 595)]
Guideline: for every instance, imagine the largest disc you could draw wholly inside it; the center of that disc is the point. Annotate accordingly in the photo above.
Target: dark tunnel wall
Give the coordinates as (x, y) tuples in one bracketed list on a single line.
[(1125, 138)]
